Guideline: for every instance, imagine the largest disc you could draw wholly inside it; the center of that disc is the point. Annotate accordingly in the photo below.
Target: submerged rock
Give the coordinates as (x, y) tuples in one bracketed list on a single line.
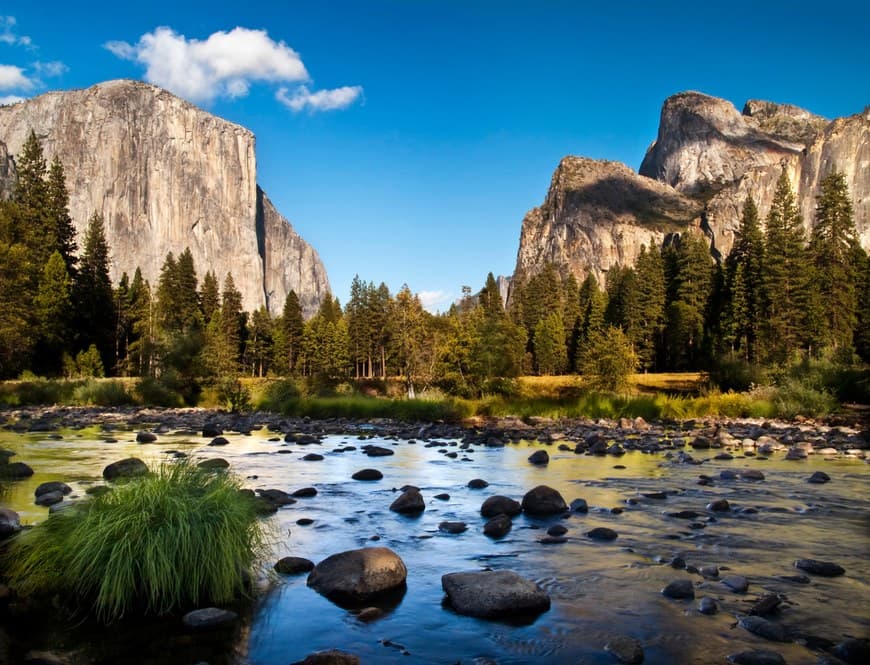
[(477, 484), (453, 527), (53, 486), (820, 568), (490, 594), (764, 628), (17, 471), (625, 649), (602, 533), (707, 606), (819, 478), (539, 457), (360, 574), (331, 657), (756, 657)]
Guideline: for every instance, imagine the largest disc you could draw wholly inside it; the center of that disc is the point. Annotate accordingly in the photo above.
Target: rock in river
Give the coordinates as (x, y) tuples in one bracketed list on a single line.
[(293, 565), (539, 457), (498, 526), (498, 505), (757, 657), (819, 478), (821, 568), (358, 575), (625, 649), (129, 467), (452, 527), (490, 594), (52, 486), (331, 657), (543, 500), (10, 523), (602, 533), (209, 617), (367, 474), (680, 589), (410, 502), (764, 628)]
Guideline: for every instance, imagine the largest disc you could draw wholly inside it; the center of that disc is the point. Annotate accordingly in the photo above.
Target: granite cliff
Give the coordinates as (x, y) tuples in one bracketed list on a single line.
[(706, 160), (167, 175)]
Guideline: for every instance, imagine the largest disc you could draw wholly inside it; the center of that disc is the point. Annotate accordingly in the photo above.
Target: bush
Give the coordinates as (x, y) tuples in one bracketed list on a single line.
[(233, 394), (178, 538), (279, 394), (609, 360), (102, 393), (736, 374), (152, 392)]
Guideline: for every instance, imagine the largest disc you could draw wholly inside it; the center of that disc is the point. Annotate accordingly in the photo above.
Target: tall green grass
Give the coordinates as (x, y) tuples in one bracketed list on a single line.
[(176, 538)]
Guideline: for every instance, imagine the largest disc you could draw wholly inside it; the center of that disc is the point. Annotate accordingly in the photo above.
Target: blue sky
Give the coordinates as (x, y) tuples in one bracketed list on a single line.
[(406, 139)]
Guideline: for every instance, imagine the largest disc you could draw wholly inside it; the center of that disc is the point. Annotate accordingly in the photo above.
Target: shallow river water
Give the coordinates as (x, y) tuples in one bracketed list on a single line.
[(598, 589)]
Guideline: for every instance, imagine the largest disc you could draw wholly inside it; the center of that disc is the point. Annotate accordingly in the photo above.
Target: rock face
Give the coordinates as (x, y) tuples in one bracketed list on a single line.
[(707, 149), (597, 214), (707, 159), (167, 175)]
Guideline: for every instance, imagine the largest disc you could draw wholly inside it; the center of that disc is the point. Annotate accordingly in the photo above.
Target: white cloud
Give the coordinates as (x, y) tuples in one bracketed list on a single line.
[(10, 99), (12, 77), (432, 301), (7, 33), (224, 65), (320, 100), (50, 69)]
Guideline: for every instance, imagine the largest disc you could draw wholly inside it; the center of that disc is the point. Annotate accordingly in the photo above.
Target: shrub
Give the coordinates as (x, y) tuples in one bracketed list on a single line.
[(174, 539), (279, 394), (102, 393), (736, 374), (152, 392), (233, 394), (609, 360)]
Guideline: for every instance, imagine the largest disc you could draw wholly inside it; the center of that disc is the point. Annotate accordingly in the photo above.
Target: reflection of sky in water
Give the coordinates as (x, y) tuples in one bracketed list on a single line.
[(597, 588)]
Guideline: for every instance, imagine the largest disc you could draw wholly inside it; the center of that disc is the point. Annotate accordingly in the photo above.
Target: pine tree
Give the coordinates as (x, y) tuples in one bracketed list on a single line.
[(550, 350), (31, 196), (784, 275), (744, 270), (293, 327), (490, 298), (16, 338), (231, 326), (407, 337), (141, 348), (862, 317), (623, 301), (833, 244), (187, 297), (687, 313), (53, 310), (94, 297), (258, 349), (650, 271), (63, 230), (209, 296)]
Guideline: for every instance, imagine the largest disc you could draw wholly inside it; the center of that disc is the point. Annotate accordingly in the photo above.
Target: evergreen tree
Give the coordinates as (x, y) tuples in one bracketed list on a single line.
[(123, 324), (623, 301), (293, 326), (833, 245), (231, 326), (651, 292), (550, 349), (490, 298), (94, 297), (187, 296), (862, 317), (209, 296), (16, 340), (744, 271), (34, 227), (63, 230), (608, 360), (53, 311), (141, 347), (687, 313), (408, 333), (258, 349), (784, 275), (571, 319)]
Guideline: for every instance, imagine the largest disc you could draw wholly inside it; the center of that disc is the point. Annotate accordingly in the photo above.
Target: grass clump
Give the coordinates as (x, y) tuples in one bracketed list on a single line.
[(174, 539)]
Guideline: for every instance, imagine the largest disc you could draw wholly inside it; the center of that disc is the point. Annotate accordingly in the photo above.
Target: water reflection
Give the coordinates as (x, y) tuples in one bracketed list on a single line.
[(597, 588)]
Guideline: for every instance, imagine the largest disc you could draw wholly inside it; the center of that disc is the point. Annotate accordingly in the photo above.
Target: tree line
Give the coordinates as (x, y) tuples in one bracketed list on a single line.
[(777, 294)]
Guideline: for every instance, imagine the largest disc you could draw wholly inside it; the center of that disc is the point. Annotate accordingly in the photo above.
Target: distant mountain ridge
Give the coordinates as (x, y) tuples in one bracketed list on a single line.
[(706, 160), (167, 175)]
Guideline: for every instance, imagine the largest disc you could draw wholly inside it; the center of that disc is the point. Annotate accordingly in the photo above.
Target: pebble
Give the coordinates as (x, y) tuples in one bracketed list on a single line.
[(737, 583), (707, 606), (625, 649)]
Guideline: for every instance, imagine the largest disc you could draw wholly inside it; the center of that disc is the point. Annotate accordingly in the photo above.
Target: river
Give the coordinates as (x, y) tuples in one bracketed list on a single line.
[(598, 589)]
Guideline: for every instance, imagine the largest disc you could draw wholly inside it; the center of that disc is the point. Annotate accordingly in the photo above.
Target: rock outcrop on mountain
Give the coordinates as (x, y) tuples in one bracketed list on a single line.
[(707, 149), (597, 214), (707, 159), (166, 175)]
